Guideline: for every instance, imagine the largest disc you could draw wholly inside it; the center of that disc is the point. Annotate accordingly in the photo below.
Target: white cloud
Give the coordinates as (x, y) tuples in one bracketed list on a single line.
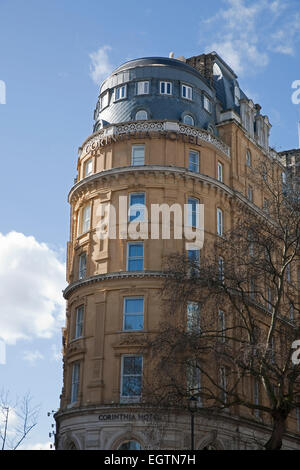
[(244, 33), (31, 283), (56, 353), (32, 356), (100, 64)]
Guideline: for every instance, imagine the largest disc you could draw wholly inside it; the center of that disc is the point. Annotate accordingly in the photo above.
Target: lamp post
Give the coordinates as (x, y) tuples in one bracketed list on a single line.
[(192, 407)]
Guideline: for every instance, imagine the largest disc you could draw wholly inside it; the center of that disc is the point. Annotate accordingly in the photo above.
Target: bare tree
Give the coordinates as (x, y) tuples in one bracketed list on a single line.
[(230, 322), (17, 419)]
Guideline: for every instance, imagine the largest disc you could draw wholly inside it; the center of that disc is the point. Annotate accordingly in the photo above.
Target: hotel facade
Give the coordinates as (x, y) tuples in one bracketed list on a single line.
[(167, 131)]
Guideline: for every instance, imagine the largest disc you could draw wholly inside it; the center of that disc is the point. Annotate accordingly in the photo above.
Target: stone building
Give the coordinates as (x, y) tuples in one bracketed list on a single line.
[(166, 131)]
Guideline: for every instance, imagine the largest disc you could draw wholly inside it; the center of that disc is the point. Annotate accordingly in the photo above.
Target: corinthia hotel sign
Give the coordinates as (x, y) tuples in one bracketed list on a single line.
[(129, 417), (151, 130)]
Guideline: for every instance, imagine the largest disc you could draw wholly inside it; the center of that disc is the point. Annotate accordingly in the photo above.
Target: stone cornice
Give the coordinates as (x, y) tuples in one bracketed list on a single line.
[(104, 136), (175, 170), (106, 277)]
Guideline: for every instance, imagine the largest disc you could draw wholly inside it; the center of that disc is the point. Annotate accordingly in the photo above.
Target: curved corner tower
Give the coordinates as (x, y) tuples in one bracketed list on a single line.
[(166, 131)]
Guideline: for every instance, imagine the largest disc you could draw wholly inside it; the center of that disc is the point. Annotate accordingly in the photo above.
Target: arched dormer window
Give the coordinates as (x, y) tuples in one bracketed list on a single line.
[(188, 119), (141, 115), (130, 445)]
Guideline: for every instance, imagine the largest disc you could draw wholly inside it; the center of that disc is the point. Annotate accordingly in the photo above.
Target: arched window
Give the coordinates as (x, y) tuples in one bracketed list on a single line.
[(130, 445), (188, 120), (141, 115), (248, 158)]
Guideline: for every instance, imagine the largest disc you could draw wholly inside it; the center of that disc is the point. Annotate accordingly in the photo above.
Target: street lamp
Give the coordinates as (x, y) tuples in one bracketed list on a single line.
[(192, 407)]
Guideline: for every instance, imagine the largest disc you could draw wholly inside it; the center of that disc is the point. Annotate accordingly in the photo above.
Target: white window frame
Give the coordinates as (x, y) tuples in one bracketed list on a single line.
[(86, 219), (145, 84), (220, 168), (188, 123), (207, 104), (81, 268), (248, 158), (194, 380), (193, 317), (139, 257), (221, 270), (141, 111), (137, 147), (197, 164), (164, 84), (130, 398), (133, 314), (250, 193), (192, 212), (186, 92), (220, 222), (75, 382), (88, 167), (123, 94), (104, 100), (79, 322), (141, 217)]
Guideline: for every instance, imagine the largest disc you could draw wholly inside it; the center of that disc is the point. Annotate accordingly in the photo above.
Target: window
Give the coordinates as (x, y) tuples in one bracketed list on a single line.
[(237, 95), (75, 382), (86, 218), (207, 104), (194, 161), (138, 155), (137, 207), (269, 299), (194, 257), (189, 120), (135, 257), (133, 313), (291, 312), (266, 205), (250, 193), (142, 88), (187, 92), (88, 168), (120, 92), (298, 419), (82, 266), (130, 445), (165, 88), (221, 326), (141, 115), (131, 376), (248, 158), (219, 222), (194, 379), (79, 322), (220, 172), (193, 317), (104, 100), (193, 212), (223, 383), (221, 275)]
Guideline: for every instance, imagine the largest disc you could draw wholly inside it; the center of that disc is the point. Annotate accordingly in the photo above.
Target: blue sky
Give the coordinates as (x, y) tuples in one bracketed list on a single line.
[(53, 56)]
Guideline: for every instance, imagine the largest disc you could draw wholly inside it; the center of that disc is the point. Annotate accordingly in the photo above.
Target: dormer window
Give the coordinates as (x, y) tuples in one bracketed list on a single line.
[(207, 104), (120, 92), (142, 88), (187, 92), (188, 119), (165, 88), (141, 115)]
